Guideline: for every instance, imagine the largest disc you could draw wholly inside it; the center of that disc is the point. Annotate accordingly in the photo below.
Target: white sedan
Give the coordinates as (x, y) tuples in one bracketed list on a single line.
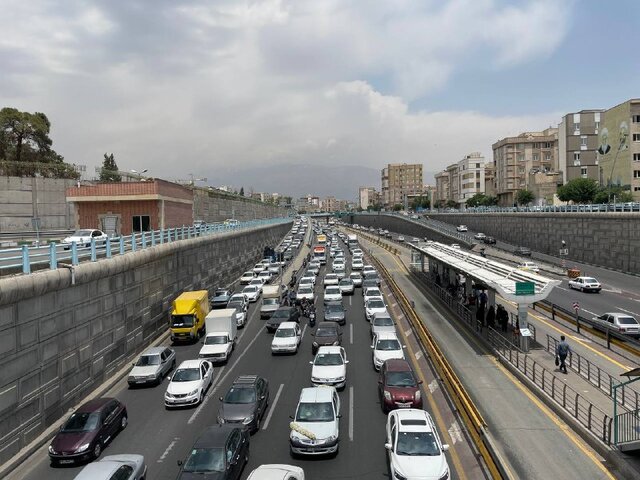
[(83, 238), (189, 383), (277, 471), (330, 279), (371, 292), (332, 293), (329, 367), (372, 306), (287, 338), (252, 292), (414, 446), (462, 228), (305, 291), (385, 347)]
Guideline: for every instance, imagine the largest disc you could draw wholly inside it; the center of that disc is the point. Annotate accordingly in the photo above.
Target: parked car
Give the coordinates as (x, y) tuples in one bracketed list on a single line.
[(489, 240), (372, 306), (152, 366), (462, 228), (282, 314), (335, 312), (585, 284), (87, 431), (356, 278), (331, 279), (529, 266), (414, 446), (327, 334), (523, 251), (189, 383), (82, 238), (277, 472), (329, 367), (619, 322), (400, 238), (221, 452), (371, 292), (372, 276), (397, 386), (115, 467), (317, 413), (286, 339), (221, 297), (305, 291), (332, 293), (245, 402)]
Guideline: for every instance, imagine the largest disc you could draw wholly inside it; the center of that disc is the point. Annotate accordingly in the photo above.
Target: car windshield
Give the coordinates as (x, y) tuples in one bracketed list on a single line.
[(221, 293), (400, 379), (390, 344), (306, 280), (373, 292), (332, 290), (147, 360), (346, 283), (590, 280), (627, 321), (375, 304), (326, 332), (248, 274), (82, 233), (328, 359), (331, 276), (305, 290), (383, 322), (237, 304), (252, 289), (186, 375), (203, 460), (180, 321), (238, 395), (280, 314), (333, 308), (315, 412), (216, 340), (285, 333), (417, 443), (82, 422)]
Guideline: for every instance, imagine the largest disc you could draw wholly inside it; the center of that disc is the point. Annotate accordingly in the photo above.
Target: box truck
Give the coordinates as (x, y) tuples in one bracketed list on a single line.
[(188, 312), (222, 328), (272, 296)]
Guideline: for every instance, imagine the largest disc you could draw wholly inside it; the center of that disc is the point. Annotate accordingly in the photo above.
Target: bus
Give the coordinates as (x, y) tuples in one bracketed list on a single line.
[(320, 253)]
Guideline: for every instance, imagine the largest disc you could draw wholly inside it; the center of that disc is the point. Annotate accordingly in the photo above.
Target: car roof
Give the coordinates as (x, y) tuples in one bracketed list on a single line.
[(387, 336), (190, 364), (397, 365), (153, 351), (316, 394), (287, 309), (413, 419), (94, 405), (246, 380), (274, 472), (99, 470), (214, 436), (330, 349), (619, 314), (287, 325)]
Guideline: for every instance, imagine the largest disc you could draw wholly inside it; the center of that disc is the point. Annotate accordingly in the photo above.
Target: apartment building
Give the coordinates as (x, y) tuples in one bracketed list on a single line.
[(462, 180), (367, 197), (441, 194), (619, 147), (400, 180), (516, 157), (578, 142)]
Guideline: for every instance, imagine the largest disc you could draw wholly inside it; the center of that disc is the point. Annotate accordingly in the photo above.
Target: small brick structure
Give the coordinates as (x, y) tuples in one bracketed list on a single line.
[(122, 208)]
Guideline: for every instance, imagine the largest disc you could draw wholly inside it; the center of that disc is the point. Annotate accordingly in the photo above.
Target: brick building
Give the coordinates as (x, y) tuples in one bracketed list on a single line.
[(124, 208)]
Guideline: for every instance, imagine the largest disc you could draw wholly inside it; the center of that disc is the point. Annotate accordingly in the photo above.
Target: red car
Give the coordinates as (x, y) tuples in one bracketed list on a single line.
[(398, 387), (87, 431)]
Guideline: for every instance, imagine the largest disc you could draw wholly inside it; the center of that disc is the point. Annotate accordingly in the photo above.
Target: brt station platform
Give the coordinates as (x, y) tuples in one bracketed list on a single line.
[(474, 278)]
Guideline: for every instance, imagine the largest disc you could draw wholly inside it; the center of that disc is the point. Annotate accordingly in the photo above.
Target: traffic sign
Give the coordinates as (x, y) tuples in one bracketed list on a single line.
[(525, 288), (576, 306)]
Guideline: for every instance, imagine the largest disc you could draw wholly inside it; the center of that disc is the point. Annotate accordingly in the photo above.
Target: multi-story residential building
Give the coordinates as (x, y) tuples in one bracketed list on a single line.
[(578, 144), (441, 195), (619, 147), (490, 179), (400, 180), (462, 180), (367, 197), (516, 157)]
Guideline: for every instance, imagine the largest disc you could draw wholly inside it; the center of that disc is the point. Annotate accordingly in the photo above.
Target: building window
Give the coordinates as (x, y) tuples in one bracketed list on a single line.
[(576, 127), (636, 157), (636, 174), (546, 145), (636, 189), (636, 137), (597, 126), (535, 157), (583, 140), (576, 159), (141, 223), (536, 145), (583, 172), (547, 157), (521, 157), (635, 118)]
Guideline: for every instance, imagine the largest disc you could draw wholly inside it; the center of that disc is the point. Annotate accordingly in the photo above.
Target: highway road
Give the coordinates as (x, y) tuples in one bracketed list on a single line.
[(164, 437)]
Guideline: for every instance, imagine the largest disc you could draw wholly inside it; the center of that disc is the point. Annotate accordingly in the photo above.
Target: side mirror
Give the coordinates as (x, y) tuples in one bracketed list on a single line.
[(220, 398), (372, 346), (339, 415), (262, 397), (420, 382), (291, 417), (310, 363), (202, 342), (179, 463), (346, 361), (388, 446), (133, 364), (445, 447), (404, 346)]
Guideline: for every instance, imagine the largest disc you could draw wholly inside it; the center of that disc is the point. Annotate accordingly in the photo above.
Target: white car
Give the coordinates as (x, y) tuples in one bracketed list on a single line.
[(414, 447), (247, 277), (356, 264), (314, 267), (276, 471), (329, 367), (287, 338), (368, 268), (371, 292), (332, 293), (529, 266), (337, 266), (265, 276), (374, 305), (330, 279), (585, 284), (455, 245), (618, 322), (462, 228), (382, 322), (305, 291), (315, 429), (259, 267), (189, 383), (257, 282), (308, 280), (83, 238), (385, 347), (252, 292), (356, 278), (347, 286), (479, 236)]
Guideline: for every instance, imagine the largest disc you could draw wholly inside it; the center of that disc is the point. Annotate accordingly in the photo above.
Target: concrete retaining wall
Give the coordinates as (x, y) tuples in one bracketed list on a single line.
[(610, 240), (58, 341)]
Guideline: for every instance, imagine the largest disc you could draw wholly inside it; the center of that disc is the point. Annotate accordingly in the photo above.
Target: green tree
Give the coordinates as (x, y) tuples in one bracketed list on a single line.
[(397, 207), (578, 190), (20, 131), (451, 204), (608, 194), (478, 200), (242, 191), (109, 171), (524, 197)]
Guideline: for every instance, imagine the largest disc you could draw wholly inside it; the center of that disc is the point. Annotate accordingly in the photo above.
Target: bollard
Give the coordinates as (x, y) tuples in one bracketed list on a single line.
[(93, 250), (26, 263), (53, 256)]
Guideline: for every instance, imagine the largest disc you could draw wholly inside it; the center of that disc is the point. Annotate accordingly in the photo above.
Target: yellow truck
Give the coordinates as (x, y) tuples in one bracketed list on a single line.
[(187, 316)]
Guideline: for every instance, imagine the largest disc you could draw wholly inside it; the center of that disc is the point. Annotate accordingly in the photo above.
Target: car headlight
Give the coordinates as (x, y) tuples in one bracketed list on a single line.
[(336, 343), (418, 396), (194, 392), (51, 450), (339, 379), (151, 377), (83, 447), (445, 476), (220, 419), (398, 476), (167, 395), (331, 438), (248, 420), (387, 396)]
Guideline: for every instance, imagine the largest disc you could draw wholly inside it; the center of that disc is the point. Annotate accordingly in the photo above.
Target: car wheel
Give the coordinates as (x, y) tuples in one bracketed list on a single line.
[(97, 450), (257, 427), (124, 422), (582, 289), (201, 397)]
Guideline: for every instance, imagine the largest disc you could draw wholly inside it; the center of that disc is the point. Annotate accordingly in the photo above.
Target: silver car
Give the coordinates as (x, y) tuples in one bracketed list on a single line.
[(619, 322), (347, 286), (152, 366), (122, 467), (382, 322)]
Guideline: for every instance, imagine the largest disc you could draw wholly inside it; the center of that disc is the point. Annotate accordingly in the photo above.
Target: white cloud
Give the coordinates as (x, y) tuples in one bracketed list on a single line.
[(199, 85)]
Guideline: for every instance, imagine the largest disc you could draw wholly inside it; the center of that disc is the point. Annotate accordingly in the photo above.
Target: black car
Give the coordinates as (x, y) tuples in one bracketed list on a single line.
[(327, 334), (489, 240), (282, 314), (220, 453), (245, 403), (523, 251), (221, 297), (335, 312)]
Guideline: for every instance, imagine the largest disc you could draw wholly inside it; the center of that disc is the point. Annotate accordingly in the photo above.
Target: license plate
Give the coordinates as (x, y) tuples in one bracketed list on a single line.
[(66, 461), (140, 381)]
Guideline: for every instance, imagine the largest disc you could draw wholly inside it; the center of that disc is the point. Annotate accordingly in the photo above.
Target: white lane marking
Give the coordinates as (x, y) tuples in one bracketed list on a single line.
[(351, 414), (627, 311), (418, 355), (350, 297), (166, 452), (589, 311), (612, 290), (433, 386), (351, 333), (304, 329), (273, 407), (455, 433), (229, 370), (407, 332)]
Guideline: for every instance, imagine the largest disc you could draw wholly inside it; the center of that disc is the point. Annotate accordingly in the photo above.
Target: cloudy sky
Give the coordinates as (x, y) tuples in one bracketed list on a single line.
[(233, 90)]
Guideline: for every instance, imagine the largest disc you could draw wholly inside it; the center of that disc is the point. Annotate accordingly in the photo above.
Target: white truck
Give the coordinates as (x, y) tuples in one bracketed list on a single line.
[(352, 241), (272, 296), (220, 340)]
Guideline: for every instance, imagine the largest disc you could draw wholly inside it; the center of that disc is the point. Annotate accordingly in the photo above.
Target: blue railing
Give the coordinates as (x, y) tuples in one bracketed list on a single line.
[(53, 254), (590, 208)]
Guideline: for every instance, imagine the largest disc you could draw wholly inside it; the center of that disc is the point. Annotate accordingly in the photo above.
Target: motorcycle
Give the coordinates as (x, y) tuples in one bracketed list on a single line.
[(312, 319)]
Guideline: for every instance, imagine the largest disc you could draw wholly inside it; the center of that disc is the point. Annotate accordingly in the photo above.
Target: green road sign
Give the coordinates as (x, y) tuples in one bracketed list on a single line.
[(525, 288)]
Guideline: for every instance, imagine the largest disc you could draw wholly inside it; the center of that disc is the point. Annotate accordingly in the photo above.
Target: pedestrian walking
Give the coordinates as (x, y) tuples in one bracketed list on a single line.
[(503, 318), (491, 317), (562, 350)]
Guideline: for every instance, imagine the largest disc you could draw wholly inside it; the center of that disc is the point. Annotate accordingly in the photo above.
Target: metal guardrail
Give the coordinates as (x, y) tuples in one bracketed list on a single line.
[(50, 256), (628, 427), (589, 208)]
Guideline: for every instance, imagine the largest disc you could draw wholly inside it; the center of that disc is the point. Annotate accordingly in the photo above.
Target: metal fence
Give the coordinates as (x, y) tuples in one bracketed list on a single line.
[(628, 426), (591, 208), (26, 259)]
